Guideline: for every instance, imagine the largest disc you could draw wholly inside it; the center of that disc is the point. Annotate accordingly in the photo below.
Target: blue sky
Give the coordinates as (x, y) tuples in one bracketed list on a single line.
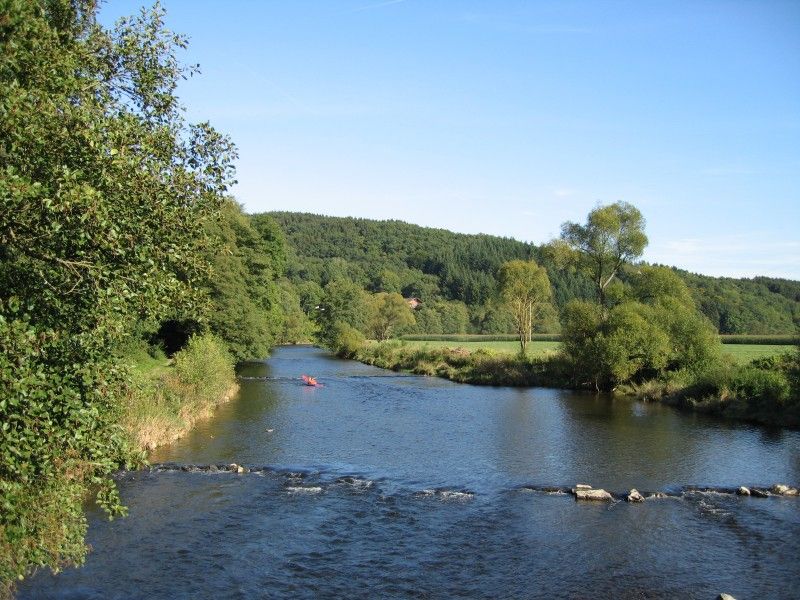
[(510, 118)]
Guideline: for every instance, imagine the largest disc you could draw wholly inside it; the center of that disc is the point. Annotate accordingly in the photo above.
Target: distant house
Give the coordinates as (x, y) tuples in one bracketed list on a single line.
[(414, 303)]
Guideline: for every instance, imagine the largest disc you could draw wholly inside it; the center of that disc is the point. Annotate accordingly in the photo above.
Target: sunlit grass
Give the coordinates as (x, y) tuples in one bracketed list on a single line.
[(534, 348), (742, 353)]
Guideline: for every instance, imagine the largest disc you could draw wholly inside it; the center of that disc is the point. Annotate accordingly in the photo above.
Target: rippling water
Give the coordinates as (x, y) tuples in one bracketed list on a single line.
[(383, 485)]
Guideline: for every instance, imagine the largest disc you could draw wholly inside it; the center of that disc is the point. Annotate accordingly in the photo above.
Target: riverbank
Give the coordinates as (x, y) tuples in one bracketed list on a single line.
[(158, 402), (764, 391), (741, 353), (167, 397)]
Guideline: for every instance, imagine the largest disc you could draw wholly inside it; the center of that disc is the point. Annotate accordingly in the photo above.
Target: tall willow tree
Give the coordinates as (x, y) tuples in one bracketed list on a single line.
[(524, 286), (105, 191), (612, 236)]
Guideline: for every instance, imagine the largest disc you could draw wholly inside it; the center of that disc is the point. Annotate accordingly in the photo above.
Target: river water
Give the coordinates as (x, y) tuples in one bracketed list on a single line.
[(380, 485)]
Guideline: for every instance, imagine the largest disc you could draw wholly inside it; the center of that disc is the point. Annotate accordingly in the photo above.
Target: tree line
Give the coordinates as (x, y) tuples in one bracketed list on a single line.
[(436, 265)]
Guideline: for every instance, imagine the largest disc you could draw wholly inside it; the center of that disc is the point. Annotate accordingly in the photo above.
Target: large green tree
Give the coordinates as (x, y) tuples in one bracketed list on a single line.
[(655, 328), (105, 193), (246, 305), (389, 314), (611, 236), (524, 287), (343, 301)]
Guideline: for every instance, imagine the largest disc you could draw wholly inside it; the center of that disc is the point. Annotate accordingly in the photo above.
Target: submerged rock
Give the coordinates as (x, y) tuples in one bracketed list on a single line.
[(743, 491), (635, 496), (298, 489), (657, 496)]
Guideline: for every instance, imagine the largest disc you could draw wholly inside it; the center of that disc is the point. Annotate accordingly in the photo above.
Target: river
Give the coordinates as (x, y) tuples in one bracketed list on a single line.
[(382, 485)]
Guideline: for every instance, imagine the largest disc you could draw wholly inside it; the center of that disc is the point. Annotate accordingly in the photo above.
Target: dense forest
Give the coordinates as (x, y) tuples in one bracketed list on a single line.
[(436, 265)]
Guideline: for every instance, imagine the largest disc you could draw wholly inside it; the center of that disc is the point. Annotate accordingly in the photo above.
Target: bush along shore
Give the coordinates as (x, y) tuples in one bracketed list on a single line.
[(159, 400), (765, 391), (165, 398)]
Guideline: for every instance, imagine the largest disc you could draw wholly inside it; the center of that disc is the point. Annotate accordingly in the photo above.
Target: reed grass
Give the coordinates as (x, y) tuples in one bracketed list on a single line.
[(166, 398)]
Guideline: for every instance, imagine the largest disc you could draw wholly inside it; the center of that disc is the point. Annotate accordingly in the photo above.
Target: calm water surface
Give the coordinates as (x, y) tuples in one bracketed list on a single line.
[(383, 485)]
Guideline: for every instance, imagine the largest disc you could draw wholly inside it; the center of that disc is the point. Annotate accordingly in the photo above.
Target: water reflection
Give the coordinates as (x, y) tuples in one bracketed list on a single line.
[(434, 432)]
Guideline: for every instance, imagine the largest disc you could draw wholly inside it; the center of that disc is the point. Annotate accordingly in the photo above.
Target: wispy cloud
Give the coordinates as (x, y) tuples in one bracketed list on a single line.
[(742, 255)]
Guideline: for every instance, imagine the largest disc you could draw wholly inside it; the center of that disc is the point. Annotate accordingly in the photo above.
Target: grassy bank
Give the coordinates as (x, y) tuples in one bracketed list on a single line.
[(764, 390), (750, 340), (43, 523), (166, 397), (479, 366)]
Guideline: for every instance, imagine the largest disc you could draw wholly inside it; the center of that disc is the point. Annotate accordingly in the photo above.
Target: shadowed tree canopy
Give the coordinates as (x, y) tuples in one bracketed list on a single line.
[(611, 236)]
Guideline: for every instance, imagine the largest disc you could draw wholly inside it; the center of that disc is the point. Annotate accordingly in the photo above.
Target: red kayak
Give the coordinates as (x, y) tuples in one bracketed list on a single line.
[(309, 380)]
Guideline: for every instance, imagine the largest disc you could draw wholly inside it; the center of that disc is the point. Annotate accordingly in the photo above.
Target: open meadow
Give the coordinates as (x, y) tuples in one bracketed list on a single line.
[(742, 353)]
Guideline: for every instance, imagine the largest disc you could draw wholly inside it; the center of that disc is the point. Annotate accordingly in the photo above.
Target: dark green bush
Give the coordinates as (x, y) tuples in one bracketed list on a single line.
[(764, 391), (762, 340), (345, 340)]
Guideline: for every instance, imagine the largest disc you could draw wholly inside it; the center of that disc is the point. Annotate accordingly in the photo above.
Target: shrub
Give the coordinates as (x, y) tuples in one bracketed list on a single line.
[(162, 403), (345, 339), (764, 391)]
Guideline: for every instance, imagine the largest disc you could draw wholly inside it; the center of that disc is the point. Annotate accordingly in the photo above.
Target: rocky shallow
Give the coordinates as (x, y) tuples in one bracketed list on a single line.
[(580, 491)]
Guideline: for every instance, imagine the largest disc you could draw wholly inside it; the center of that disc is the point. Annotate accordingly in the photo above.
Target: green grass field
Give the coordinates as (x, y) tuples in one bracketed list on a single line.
[(742, 353), (534, 348)]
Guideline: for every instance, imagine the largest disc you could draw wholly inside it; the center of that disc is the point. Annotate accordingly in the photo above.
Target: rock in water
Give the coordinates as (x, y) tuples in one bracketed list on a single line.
[(600, 495), (783, 490), (725, 597), (581, 486), (759, 493), (635, 496), (743, 491)]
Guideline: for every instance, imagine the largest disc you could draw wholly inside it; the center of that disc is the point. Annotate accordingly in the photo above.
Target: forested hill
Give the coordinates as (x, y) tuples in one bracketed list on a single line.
[(437, 264)]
